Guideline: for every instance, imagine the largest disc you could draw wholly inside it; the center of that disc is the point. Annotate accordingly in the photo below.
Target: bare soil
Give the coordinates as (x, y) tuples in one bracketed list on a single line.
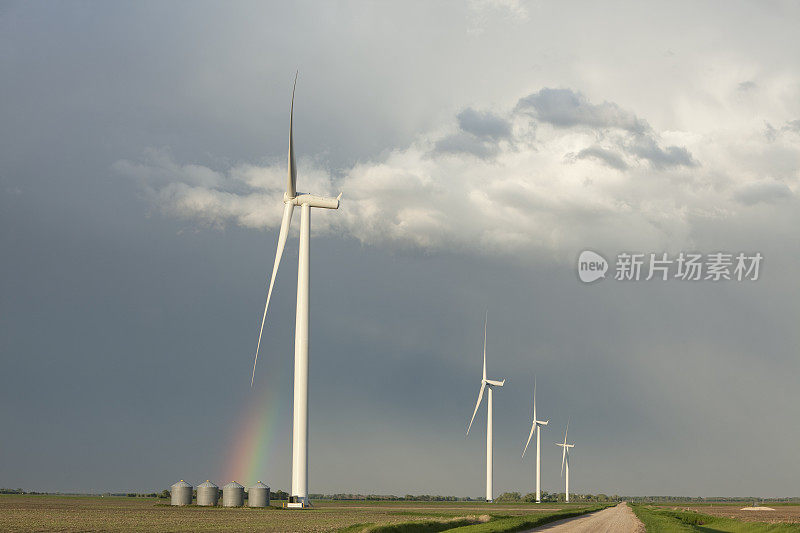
[(781, 514), (25, 513)]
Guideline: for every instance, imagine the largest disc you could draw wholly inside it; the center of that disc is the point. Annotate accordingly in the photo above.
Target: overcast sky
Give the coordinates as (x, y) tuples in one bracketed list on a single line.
[(480, 148)]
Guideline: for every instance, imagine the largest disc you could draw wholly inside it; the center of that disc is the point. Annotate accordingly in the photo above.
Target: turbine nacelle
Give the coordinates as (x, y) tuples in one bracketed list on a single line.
[(535, 424), (291, 198), (484, 381), (312, 200), (565, 451)]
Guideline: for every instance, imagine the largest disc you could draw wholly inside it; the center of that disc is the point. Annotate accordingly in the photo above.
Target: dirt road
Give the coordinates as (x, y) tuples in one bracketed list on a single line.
[(619, 519)]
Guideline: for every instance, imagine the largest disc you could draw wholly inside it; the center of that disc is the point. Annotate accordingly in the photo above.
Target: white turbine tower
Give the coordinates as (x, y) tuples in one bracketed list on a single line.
[(486, 383), (535, 427), (565, 458), (299, 495)]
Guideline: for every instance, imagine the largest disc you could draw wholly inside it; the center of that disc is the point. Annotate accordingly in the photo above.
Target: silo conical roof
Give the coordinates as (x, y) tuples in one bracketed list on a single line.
[(207, 484), (181, 493), (233, 485), (258, 495)]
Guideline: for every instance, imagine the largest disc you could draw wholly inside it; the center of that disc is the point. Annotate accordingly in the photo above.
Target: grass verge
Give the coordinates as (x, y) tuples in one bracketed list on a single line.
[(483, 524), (657, 520), (418, 526), (510, 524)]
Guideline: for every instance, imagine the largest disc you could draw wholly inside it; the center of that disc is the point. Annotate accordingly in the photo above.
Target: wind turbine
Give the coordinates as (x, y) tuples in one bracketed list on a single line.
[(490, 384), (291, 198), (565, 457), (536, 425)]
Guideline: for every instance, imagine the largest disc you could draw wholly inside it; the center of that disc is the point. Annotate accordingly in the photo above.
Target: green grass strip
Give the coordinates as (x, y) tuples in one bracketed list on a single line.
[(657, 520), (417, 526), (510, 524), (496, 524)]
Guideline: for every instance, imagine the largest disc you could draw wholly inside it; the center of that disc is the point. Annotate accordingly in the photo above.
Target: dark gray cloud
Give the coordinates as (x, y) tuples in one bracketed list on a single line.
[(772, 133), (610, 158), (465, 143), (792, 125), (565, 108), (645, 147), (767, 192), (483, 124), (479, 134), (748, 85)]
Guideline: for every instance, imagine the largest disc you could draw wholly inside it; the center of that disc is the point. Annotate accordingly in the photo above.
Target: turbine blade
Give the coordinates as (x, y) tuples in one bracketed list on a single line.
[(291, 185), (485, 322), (284, 233), (533, 428), (534, 399), (480, 397), (563, 457), (567, 431)]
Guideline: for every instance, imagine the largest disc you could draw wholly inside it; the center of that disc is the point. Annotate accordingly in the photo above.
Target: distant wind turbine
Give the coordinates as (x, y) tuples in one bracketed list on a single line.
[(291, 198), (486, 383), (535, 427), (565, 458)]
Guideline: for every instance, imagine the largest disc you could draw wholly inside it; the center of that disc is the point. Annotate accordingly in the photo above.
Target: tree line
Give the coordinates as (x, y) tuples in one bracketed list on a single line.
[(552, 497)]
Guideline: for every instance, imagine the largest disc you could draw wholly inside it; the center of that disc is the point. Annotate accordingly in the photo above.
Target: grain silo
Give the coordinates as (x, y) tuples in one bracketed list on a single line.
[(207, 494), (181, 493), (258, 495), (232, 495)]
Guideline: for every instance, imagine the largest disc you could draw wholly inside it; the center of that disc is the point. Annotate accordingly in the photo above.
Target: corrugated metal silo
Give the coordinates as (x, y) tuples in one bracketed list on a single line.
[(258, 495), (181, 493), (232, 495), (207, 494)]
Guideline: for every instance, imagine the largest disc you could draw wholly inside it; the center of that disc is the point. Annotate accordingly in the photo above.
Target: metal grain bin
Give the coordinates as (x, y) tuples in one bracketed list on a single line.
[(207, 494), (181, 493), (258, 495), (232, 495)]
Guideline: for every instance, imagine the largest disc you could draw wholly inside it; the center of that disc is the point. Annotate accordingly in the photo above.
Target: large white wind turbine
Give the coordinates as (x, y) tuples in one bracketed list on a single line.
[(565, 458), (490, 384), (535, 427), (291, 198)]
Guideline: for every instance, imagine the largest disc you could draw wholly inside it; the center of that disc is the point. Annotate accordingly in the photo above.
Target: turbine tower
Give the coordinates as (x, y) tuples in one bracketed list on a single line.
[(291, 198), (536, 425), (565, 457), (490, 384)]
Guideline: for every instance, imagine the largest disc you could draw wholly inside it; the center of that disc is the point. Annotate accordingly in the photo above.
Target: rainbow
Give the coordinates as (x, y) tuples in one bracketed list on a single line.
[(254, 438)]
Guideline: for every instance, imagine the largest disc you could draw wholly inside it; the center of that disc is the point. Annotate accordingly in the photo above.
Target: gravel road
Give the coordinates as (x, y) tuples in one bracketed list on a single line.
[(619, 519)]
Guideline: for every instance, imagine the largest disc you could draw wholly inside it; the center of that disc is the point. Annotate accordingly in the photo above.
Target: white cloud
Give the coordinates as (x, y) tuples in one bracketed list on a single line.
[(568, 174), (481, 10), (762, 191)]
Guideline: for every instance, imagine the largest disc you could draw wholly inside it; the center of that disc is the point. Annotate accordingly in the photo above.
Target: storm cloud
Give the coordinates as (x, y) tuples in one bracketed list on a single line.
[(142, 170), (483, 124), (609, 157), (565, 108)]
